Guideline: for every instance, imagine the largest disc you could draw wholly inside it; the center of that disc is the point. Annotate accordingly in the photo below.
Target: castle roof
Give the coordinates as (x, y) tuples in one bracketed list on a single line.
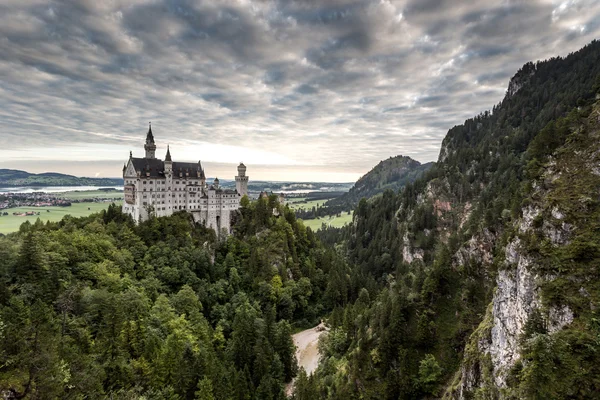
[(156, 167), (149, 135)]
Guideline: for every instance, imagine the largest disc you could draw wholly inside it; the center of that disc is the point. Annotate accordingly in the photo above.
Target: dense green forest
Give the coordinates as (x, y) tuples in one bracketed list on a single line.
[(429, 258), (97, 306)]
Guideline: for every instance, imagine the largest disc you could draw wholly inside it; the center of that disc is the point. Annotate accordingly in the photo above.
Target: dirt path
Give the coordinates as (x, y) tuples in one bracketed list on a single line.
[(307, 351)]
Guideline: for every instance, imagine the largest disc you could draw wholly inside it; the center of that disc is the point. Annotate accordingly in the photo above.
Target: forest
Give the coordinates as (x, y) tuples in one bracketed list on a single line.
[(100, 307)]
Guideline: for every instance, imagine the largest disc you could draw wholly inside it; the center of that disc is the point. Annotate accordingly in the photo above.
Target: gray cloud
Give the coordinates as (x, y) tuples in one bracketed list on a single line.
[(320, 83)]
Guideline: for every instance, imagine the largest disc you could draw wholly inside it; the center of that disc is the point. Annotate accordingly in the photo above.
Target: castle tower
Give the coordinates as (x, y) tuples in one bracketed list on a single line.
[(168, 162), (241, 180), (202, 175), (150, 147)]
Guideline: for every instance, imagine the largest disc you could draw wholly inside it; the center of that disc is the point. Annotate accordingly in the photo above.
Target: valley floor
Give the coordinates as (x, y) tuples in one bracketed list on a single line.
[(11, 223), (307, 350), (331, 221)]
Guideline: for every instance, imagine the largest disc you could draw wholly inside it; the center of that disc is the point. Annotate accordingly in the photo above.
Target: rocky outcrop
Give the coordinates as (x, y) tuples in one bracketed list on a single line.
[(409, 254), (494, 348), (477, 249), (515, 298), (520, 79)]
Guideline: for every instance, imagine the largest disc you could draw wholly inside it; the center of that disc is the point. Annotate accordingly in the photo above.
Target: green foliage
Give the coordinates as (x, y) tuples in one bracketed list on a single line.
[(563, 365), (205, 390), (98, 306), (429, 374)]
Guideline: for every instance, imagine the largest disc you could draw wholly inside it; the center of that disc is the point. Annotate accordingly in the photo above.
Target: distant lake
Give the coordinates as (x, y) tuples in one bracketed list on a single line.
[(55, 189)]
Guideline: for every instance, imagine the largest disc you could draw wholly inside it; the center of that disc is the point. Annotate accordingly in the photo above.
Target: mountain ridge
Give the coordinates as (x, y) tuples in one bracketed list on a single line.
[(392, 173), (15, 177)]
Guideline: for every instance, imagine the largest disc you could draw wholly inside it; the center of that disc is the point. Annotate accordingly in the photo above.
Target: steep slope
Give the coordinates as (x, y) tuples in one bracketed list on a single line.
[(432, 260), (393, 173), (541, 335)]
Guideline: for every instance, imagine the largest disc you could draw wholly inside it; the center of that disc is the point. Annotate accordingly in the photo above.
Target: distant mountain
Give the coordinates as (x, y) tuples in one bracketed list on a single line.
[(393, 173), (14, 177)]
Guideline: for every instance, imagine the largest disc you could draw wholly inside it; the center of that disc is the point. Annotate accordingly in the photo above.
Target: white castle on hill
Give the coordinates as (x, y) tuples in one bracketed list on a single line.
[(160, 188)]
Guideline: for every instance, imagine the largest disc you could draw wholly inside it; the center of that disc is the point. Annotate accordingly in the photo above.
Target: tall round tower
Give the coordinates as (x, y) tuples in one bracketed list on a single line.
[(241, 180)]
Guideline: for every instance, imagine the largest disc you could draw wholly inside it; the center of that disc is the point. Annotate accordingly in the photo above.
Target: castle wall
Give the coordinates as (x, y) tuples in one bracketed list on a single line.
[(146, 195)]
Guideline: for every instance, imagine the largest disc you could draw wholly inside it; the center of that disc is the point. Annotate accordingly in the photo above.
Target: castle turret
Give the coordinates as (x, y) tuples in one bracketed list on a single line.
[(241, 180), (168, 162), (150, 146), (201, 174), (216, 183)]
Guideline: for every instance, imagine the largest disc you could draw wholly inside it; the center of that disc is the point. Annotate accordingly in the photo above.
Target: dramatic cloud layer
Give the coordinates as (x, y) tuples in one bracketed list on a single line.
[(331, 86)]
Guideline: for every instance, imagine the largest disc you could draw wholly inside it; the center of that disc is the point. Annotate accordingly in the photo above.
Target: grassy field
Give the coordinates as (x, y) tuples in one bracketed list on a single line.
[(315, 224), (332, 220), (307, 205), (292, 200), (10, 223), (88, 194)]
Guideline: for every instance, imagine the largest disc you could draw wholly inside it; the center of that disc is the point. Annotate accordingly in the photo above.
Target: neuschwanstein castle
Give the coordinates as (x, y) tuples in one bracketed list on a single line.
[(160, 188)]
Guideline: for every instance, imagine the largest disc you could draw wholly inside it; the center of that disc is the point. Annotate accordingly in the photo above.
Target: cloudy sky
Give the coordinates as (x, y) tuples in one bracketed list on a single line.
[(298, 90)]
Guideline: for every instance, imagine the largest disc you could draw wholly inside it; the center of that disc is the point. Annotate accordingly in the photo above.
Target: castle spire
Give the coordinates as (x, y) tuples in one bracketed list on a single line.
[(168, 156), (150, 147), (149, 135)]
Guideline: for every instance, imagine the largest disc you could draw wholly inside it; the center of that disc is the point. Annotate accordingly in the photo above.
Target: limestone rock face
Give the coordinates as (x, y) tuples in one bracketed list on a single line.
[(478, 248), (410, 254), (515, 298)]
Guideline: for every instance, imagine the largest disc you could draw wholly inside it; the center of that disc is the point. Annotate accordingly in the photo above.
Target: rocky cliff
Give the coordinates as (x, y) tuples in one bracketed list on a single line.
[(547, 286)]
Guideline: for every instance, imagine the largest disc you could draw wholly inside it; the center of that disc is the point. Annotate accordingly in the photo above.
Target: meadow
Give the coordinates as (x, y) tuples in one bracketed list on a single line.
[(315, 224), (296, 204), (11, 223), (331, 220)]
